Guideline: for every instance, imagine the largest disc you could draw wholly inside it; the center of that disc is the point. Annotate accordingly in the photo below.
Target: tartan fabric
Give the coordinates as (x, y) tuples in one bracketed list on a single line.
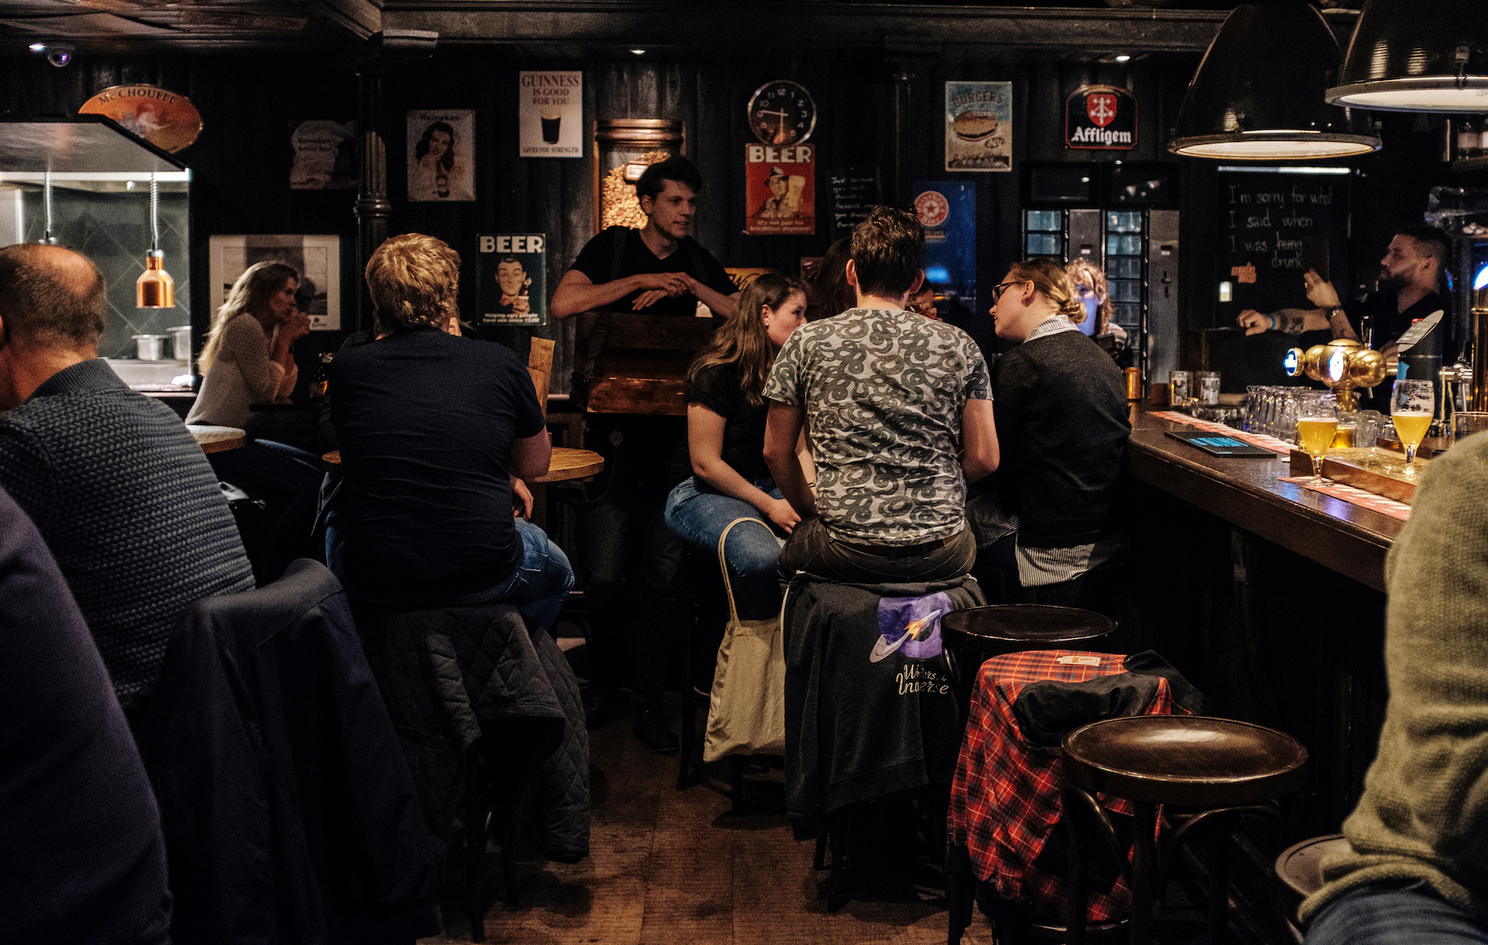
[(1005, 800)]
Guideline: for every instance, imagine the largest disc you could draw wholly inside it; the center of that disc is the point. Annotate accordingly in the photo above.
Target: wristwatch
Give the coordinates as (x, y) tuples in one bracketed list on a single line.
[(1336, 310)]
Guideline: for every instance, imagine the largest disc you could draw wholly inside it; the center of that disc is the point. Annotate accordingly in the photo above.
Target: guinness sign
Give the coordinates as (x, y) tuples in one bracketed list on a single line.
[(1102, 117)]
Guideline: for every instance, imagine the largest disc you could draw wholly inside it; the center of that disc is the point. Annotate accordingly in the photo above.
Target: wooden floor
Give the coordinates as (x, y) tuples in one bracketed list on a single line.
[(670, 867)]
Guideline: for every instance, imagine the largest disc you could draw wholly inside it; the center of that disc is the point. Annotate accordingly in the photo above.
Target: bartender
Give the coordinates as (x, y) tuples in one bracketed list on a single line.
[(631, 558), (1409, 277)]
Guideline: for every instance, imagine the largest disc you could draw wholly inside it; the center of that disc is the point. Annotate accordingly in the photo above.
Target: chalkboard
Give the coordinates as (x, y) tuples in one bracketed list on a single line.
[(1273, 227), (853, 192)]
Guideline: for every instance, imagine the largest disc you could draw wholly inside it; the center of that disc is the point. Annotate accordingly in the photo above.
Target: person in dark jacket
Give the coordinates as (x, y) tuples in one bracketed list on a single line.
[(82, 860)]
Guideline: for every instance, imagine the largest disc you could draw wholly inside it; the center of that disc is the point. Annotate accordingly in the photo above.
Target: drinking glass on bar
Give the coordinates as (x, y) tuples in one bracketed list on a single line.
[(1317, 421), (1412, 404)]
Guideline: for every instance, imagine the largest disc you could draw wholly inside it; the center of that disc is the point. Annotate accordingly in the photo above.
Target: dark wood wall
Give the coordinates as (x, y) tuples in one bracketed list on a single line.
[(241, 163)]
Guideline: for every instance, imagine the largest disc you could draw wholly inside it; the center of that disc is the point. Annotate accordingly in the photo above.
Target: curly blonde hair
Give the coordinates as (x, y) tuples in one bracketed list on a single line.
[(1050, 278), (413, 280), (1084, 272), (248, 296)]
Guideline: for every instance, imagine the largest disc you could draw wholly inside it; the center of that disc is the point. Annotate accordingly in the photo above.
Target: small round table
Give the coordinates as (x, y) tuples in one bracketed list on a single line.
[(214, 439), (566, 464)]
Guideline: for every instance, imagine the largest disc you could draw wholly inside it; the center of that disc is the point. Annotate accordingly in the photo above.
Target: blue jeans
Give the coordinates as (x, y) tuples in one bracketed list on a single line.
[(751, 551), (1387, 913), (538, 587)]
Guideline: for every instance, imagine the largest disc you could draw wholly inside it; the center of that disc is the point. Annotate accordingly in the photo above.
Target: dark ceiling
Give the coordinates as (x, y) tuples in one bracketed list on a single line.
[(576, 27)]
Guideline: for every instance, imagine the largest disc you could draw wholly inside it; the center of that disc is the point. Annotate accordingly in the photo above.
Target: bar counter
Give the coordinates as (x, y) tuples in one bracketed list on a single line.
[(1249, 494)]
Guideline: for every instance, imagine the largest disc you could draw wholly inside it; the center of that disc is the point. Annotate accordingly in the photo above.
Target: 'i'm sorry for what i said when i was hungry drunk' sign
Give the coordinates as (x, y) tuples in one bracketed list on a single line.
[(1102, 117)]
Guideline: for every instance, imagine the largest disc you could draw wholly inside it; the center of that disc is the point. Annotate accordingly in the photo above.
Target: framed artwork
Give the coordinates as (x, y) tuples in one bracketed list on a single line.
[(441, 155), (511, 278), (318, 259), (979, 126), (324, 155), (550, 114)]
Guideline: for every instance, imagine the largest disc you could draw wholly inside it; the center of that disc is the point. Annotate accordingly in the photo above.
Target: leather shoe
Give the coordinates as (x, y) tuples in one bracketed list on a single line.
[(647, 722)]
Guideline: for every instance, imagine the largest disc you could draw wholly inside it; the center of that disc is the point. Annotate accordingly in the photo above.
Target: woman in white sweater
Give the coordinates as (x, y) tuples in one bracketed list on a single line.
[(247, 358)]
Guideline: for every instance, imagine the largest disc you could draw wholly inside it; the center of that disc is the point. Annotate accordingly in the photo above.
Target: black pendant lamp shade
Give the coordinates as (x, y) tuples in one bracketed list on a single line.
[(1417, 56), (1258, 93)]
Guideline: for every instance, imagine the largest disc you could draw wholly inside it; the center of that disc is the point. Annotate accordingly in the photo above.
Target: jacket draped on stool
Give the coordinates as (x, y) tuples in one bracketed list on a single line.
[(868, 705), (288, 811), (451, 677)]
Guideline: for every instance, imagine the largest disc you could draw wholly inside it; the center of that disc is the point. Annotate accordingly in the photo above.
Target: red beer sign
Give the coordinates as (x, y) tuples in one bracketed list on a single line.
[(1102, 117)]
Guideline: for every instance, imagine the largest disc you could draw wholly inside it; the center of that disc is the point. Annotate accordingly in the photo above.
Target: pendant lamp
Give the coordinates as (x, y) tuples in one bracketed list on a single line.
[(46, 201), (1258, 93), (155, 288), (1417, 56)]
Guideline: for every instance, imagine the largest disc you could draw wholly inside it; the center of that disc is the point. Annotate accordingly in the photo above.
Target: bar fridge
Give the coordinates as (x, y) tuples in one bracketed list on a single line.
[(1123, 218)]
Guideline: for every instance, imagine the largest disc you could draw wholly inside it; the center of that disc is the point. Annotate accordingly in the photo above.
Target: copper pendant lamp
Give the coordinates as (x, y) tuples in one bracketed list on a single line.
[(155, 288), (1417, 56), (1258, 93)]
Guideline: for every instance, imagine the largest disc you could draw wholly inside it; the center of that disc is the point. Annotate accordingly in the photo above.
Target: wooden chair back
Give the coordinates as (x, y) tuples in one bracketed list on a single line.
[(540, 366)]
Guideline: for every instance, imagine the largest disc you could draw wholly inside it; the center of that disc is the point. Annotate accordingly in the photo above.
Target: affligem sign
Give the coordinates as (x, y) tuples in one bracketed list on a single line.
[(1102, 117)]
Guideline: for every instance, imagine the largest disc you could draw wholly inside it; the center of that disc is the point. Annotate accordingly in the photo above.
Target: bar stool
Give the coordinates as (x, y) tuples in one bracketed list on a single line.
[(1299, 874), (1219, 766), (975, 635)]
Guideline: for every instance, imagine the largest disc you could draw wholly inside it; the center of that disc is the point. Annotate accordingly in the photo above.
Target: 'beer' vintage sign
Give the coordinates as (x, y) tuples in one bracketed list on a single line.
[(1102, 117)]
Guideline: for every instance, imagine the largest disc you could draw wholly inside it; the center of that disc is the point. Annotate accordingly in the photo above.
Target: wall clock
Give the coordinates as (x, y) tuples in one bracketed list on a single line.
[(782, 112)]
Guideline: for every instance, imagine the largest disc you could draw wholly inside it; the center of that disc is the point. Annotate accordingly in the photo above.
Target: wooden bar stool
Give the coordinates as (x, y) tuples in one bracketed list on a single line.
[(1218, 766), (977, 634)]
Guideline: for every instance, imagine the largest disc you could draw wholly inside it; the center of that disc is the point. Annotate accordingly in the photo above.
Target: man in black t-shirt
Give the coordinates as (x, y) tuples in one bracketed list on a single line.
[(1409, 276), (657, 270)]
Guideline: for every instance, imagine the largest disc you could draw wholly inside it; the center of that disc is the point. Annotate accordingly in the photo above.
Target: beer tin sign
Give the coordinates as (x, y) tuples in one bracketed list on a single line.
[(511, 279), (1100, 117)]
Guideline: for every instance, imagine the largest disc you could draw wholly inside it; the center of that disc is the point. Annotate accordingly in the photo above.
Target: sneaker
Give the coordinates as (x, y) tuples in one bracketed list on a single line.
[(648, 724)]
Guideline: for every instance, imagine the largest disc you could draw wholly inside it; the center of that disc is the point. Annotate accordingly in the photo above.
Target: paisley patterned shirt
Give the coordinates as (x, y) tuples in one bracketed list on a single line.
[(883, 393)]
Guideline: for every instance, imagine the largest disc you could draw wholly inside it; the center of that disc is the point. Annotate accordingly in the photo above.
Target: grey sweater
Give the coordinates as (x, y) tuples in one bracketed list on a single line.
[(129, 507), (1424, 813)]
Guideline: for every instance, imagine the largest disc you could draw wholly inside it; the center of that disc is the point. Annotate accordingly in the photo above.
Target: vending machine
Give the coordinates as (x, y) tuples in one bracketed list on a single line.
[(1123, 217)]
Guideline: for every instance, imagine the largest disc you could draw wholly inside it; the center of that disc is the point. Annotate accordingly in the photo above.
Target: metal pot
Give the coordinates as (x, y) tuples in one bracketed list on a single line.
[(150, 347), (181, 342)]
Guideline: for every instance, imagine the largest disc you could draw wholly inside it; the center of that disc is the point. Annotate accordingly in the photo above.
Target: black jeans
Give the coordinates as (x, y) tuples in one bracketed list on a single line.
[(811, 549)]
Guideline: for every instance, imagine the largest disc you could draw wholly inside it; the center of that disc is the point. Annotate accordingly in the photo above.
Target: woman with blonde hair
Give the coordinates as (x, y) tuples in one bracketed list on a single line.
[(726, 412), (1095, 319), (1063, 428), (248, 357)]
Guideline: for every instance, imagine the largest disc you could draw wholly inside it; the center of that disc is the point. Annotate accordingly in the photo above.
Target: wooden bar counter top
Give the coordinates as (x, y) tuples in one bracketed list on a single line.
[(1249, 494)]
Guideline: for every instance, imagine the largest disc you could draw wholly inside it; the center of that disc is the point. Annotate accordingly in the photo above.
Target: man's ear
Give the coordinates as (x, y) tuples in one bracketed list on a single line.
[(647, 205), (852, 274), (919, 281)]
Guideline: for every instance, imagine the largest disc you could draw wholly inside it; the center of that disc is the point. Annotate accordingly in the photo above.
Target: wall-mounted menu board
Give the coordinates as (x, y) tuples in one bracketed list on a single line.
[(853, 191), (1272, 225)]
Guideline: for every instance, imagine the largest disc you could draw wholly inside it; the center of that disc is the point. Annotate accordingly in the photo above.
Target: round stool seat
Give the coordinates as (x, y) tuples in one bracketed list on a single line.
[(1300, 866), (1185, 760), (1009, 628)]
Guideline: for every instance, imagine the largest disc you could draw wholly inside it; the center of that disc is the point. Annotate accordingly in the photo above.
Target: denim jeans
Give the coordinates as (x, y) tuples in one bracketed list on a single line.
[(1389, 913), (540, 584), (751, 552)]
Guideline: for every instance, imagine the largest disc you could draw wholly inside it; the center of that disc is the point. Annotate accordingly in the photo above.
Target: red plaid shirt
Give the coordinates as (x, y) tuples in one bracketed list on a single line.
[(1005, 799)]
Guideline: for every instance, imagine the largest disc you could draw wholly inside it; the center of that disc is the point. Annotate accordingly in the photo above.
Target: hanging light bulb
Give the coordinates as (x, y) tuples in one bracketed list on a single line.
[(46, 202), (155, 288)]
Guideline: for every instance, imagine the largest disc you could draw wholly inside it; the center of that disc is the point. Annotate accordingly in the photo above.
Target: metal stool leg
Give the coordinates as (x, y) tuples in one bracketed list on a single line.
[(1144, 824)]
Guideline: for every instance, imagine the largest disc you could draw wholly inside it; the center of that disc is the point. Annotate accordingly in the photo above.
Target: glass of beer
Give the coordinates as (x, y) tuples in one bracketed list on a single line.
[(1412, 404), (1317, 421)]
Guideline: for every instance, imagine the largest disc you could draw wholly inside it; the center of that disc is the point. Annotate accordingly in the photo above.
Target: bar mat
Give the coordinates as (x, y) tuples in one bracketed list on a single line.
[(1254, 439), (1368, 500)]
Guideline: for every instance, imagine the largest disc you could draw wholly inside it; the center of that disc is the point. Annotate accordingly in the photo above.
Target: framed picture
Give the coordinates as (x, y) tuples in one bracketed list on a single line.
[(441, 155), (318, 259)]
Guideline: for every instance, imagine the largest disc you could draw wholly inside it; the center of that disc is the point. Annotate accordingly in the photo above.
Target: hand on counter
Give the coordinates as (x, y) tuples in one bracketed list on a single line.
[(658, 286)]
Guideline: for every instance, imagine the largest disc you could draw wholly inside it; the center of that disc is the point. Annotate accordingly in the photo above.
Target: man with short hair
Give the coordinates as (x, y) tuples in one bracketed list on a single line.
[(898, 410), (434, 432), (1410, 273), (123, 496), (632, 558)]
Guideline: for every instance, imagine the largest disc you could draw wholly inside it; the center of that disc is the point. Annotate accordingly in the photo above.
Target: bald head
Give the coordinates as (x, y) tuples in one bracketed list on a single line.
[(50, 298)]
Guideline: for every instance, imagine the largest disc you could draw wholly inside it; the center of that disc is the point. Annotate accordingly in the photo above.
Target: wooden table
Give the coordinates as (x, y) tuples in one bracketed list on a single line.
[(213, 439), (567, 464)]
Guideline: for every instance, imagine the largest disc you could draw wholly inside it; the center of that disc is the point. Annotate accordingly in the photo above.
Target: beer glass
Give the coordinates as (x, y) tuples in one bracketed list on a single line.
[(1317, 421), (1412, 404)]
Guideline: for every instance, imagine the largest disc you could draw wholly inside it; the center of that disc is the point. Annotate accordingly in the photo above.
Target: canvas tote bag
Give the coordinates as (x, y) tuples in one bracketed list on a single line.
[(746, 710)]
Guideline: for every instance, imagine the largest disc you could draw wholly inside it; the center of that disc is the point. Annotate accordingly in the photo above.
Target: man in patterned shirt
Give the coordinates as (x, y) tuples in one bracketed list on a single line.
[(898, 410)]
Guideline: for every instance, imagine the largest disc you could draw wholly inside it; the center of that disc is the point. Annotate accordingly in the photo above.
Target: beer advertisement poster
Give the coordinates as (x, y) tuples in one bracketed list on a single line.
[(780, 190), (1100, 117), (511, 278), (947, 211), (979, 126), (325, 155), (550, 114), (441, 155)]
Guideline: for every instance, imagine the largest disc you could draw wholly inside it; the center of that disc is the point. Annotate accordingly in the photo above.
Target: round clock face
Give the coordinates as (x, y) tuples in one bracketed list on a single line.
[(782, 112)]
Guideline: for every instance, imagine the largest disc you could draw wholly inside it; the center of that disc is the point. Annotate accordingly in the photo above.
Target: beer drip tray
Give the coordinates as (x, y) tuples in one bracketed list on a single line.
[(1372, 469)]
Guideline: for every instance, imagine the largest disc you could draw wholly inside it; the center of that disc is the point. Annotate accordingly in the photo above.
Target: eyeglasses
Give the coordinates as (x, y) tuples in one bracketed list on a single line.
[(998, 289)]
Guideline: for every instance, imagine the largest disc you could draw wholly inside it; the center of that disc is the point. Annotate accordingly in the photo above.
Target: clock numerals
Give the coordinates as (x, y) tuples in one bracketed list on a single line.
[(782, 112)]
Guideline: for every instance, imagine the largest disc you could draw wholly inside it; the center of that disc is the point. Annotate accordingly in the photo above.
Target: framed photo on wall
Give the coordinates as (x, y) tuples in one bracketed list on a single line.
[(318, 259), (441, 155)]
